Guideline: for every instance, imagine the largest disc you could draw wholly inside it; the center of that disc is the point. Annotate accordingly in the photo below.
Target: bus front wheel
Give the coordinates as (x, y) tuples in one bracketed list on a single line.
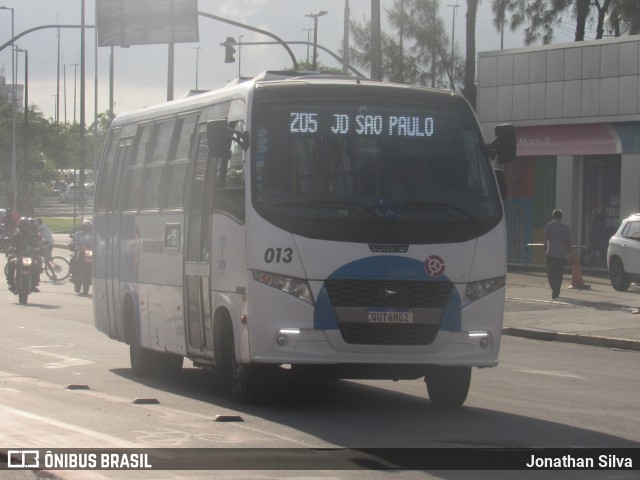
[(448, 386), (244, 379)]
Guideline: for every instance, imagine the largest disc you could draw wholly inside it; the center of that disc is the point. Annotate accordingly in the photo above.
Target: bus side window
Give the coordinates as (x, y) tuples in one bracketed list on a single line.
[(133, 173), (156, 160), (173, 182), (228, 193)]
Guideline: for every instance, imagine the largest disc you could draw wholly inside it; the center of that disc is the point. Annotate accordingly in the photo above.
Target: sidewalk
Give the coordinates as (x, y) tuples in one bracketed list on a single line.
[(598, 315)]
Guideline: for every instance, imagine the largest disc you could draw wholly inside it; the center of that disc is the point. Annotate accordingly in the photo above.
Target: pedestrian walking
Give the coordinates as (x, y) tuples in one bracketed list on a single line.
[(557, 241)]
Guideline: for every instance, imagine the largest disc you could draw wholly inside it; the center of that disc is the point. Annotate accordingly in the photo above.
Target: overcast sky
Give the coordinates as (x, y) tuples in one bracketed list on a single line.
[(141, 71)]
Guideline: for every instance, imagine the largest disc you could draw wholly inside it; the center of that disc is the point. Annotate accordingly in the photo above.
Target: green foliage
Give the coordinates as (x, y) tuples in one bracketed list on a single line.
[(538, 18), (60, 224), (40, 139), (418, 53)]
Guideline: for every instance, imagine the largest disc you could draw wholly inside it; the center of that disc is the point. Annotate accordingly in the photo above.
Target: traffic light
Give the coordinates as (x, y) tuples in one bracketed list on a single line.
[(229, 51)]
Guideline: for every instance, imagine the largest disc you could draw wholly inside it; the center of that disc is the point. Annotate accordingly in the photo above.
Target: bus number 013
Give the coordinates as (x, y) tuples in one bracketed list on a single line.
[(278, 255)]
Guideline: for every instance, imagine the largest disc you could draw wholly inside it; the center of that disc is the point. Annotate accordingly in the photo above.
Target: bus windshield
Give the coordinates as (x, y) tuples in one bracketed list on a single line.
[(372, 171)]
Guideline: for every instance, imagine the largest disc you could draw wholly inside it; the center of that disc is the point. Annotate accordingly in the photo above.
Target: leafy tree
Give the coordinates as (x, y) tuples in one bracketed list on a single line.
[(304, 66), (43, 140), (625, 17), (419, 56), (540, 16)]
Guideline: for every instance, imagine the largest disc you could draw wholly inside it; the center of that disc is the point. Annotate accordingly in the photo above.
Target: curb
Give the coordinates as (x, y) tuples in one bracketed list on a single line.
[(596, 341)]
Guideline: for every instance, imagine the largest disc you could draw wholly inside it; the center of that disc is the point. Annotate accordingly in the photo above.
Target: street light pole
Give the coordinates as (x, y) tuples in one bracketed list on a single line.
[(308, 30), (25, 135), (75, 88), (315, 35), (239, 55), (14, 177), (197, 49)]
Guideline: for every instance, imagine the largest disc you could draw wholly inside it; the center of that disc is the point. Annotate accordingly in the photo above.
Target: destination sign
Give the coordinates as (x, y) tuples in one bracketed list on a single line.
[(361, 124)]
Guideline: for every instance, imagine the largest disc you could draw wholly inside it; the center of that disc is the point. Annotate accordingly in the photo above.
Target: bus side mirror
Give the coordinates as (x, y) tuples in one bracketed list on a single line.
[(503, 146), (220, 135)]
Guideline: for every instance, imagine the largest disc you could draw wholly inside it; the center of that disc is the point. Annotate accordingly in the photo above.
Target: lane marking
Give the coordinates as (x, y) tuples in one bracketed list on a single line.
[(74, 428), (64, 361), (551, 373)]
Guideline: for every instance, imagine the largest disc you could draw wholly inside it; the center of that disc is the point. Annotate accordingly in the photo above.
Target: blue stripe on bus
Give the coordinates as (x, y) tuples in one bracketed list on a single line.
[(385, 268)]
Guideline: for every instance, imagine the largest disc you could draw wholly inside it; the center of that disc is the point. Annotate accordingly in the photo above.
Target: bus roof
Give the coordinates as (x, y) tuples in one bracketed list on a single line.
[(240, 87)]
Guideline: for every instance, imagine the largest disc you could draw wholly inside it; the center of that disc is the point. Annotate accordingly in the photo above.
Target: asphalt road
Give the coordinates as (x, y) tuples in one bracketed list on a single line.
[(543, 394)]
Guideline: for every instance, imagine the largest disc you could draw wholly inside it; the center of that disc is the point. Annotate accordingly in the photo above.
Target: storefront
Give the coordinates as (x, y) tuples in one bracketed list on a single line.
[(576, 111)]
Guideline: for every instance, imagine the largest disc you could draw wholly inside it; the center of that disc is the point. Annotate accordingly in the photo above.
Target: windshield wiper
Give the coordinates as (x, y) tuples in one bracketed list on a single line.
[(334, 204), (435, 207)]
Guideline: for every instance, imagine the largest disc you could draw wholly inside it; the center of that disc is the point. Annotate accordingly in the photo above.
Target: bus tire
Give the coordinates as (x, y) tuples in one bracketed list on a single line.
[(448, 386), (243, 381), (141, 359)]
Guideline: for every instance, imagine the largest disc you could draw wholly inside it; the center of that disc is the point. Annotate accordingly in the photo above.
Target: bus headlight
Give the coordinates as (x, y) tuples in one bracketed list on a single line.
[(477, 290), (293, 286)]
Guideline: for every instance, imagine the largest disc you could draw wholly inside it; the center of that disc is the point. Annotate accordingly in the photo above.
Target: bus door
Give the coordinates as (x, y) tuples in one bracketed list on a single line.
[(197, 281), (113, 245)]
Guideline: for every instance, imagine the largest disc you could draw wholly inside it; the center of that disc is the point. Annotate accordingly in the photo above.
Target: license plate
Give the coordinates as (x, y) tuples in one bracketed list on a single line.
[(390, 316)]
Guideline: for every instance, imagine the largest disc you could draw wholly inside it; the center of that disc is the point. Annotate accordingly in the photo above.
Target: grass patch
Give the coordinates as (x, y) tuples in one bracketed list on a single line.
[(62, 224)]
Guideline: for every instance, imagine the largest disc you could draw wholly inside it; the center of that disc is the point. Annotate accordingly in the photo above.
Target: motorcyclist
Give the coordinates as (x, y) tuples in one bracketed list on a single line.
[(82, 237), (26, 241), (9, 222)]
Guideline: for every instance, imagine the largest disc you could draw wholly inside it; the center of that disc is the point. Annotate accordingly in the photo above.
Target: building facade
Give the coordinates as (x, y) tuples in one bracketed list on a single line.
[(576, 109)]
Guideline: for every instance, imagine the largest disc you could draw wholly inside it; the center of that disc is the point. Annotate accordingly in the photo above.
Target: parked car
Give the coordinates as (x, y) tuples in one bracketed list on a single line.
[(73, 192), (623, 254), (59, 187)]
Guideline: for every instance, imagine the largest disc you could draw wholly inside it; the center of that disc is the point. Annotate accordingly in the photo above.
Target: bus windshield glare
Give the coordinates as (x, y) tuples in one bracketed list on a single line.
[(357, 172)]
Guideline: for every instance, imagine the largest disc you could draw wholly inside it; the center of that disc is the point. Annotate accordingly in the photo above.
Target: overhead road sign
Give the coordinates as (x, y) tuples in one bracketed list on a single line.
[(123, 23)]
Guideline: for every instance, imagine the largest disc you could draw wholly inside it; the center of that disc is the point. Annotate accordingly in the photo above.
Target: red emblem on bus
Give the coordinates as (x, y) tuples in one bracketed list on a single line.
[(434, 266)]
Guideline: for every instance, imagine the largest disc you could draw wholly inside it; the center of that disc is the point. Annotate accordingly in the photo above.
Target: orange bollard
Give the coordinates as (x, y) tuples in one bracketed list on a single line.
[(576, 275)]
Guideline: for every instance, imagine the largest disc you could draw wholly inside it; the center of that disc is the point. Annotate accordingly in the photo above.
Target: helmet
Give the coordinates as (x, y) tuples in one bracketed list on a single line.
[(34, 223), (23, 223), (87, 223)]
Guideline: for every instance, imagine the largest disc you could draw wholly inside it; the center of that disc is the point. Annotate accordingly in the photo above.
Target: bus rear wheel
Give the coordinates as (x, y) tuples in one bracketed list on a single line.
[(448, 386), (142, 359)]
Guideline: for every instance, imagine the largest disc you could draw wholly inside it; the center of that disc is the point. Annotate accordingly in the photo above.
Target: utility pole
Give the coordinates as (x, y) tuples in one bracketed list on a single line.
[(75, 88), (453, 33), (57, 114), (308, 30), (345, 54), (239, 55), (25, 135), (197, 49), (376, 41), (83, 138), (14, 176), (315, 36), (433, 49)]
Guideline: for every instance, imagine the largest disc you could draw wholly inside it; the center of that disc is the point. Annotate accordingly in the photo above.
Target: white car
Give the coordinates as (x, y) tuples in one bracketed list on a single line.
[(623, 254)]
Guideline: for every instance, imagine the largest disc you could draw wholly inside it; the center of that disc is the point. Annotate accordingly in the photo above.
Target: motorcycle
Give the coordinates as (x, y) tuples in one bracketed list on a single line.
[(81, 260), (23, 281)]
